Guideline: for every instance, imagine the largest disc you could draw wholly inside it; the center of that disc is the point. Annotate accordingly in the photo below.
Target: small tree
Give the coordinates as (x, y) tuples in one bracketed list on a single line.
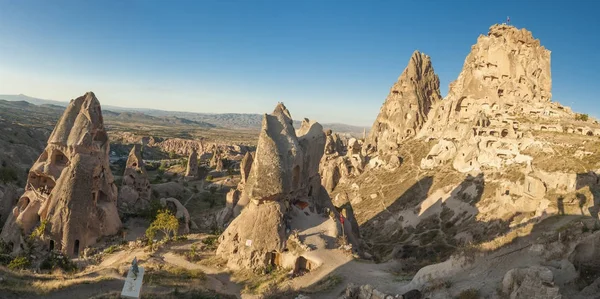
[(165, 222), (582, 117)]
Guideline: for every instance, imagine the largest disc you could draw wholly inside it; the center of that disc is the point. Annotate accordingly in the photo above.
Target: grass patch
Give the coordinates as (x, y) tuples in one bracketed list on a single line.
[(260, 282), (173, 276), (326, 284)]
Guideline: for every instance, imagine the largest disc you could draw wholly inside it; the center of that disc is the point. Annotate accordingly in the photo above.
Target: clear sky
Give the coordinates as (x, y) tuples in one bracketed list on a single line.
[(328, 60)]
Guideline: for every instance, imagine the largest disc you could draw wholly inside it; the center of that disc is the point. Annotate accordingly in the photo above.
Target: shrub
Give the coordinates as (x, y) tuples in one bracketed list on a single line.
[(209, 178), (58, 260), (19, 263), (39, 231), (210, 241), (152, 210), (582, 117), (111, 249), (165, 222)]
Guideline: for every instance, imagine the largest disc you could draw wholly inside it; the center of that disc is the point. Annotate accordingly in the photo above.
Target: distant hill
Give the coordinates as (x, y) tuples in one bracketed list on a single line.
[(205, 120)]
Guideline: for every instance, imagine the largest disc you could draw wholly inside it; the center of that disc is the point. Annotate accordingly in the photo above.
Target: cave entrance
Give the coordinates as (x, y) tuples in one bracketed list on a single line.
[(76, 248), (302, 266)]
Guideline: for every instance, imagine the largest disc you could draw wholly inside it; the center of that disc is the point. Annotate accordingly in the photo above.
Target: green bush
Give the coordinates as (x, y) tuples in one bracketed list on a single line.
[(582, 117), (209, 178), (165, 222), (111, 249), (19, 263), (58, 260), (210, 241), (39, 231)]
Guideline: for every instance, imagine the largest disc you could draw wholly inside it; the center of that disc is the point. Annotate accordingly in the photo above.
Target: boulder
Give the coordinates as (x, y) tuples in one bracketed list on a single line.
[(535, 282)]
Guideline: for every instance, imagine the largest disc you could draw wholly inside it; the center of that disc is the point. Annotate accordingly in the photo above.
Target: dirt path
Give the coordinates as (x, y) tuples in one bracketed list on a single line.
[(218, 281)]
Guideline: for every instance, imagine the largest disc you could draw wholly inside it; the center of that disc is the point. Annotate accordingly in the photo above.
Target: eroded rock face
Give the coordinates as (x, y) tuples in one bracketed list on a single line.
[(192, 165), (70, 187), (246, 166), (284, 170), (135, 193), (406, 108), (506, 74)]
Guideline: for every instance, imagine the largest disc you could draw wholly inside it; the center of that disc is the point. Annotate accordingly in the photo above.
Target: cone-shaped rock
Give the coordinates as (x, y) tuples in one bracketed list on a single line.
[(70, 190), (284, 170), (192, 165), (405, 110), (135, 193)]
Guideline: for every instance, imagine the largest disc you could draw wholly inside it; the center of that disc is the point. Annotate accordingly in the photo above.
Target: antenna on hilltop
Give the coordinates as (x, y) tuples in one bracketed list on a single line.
[(508, 20)]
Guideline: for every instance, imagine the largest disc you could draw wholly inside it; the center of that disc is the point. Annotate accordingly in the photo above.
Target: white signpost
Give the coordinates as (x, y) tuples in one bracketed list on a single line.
[(133, 282)]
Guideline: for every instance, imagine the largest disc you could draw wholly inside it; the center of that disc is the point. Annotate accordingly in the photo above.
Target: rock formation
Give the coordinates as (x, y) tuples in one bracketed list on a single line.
[(284, 171), (216, 156), (245, 167), (530, 283), (70, 190), (407, 106), (219, 165), (192, 165), (506, 74), (135, 194)]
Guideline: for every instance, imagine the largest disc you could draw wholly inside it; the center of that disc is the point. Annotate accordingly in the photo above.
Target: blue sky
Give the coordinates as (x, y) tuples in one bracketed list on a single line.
[(328, 60)]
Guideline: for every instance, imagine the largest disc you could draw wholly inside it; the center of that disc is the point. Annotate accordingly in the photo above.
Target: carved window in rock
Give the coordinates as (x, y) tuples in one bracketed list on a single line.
[(23, 203), (504, 133), (51, 246), (100, 138), (59, 158), (590, 133), (102, 197)]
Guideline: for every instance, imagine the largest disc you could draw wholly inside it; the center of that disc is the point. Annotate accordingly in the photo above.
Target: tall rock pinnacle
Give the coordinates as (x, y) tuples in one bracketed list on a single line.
[(70, 190), (406, 108)]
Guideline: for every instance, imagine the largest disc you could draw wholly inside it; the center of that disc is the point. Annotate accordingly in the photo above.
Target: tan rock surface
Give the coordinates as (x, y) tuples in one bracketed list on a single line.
[(70, 187), (135, 194), (407, 106), (192, 165)]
